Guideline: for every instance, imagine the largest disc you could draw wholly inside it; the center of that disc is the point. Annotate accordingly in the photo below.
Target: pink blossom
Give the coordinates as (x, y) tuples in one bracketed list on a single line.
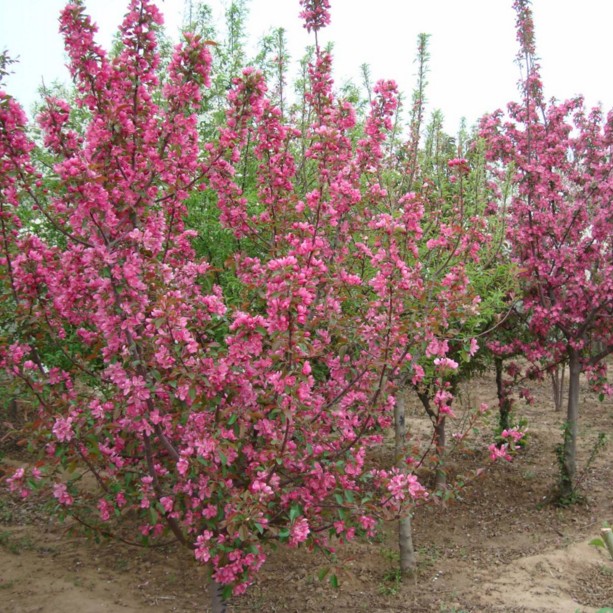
[(60, 492), (315, 14), (226, 574), (368, 523), (500, 452), (261, 488), (63, 429), (445, 363), (16, 483), (105, 509), (437, 347), (182, 466), (299, 531), (515, 435), (203, 544), (167, 503), (400, 485)]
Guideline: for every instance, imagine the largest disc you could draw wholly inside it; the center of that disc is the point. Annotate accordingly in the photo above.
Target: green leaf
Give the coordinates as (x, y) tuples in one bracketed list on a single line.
[(334, 581), (294, 512), (232, 419), (226, 592), (323, 572), (284, 533), (597, 543)]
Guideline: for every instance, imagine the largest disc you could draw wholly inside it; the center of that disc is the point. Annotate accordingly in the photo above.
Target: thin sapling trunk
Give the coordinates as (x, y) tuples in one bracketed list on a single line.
[(504, 400), (569, 454), (408, 557), (557, 384), (439, 439), (218, 602)]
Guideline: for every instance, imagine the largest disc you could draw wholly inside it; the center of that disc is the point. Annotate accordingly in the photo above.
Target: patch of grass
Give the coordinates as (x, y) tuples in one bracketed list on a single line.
[(122, 565), (9, 543), (427, 557), (391, 555), (392, 580), (172, 578), (6, 513), (17, 545), (605, 571)]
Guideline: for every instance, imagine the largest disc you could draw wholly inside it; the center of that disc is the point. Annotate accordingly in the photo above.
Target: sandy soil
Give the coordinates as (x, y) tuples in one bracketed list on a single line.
[(501, 547)]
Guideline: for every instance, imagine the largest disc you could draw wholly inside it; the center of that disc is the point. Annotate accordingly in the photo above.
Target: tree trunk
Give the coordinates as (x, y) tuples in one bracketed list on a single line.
[(569, 455), (408, 557), (557, 385), (440, 479), (504, 402), (218, 603), (439, 439)]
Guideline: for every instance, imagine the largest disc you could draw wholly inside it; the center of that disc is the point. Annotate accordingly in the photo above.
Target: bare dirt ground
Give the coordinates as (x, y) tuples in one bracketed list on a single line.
[(500, 547)]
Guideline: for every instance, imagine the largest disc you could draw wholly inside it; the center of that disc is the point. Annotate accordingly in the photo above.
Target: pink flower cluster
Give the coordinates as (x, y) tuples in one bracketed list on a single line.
[(316, 14)]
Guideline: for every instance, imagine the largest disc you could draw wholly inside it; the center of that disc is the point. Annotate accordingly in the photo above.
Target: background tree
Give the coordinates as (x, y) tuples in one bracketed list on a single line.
[(560, 230)]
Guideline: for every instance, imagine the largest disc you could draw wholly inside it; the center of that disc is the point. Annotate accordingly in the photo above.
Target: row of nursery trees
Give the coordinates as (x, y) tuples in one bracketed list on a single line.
[(218, 290)]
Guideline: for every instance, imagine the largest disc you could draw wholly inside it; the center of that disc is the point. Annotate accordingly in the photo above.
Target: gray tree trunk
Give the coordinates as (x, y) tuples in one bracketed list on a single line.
[(440, 479), (218, 603), (569, 458), (408, 557), (557, 385)]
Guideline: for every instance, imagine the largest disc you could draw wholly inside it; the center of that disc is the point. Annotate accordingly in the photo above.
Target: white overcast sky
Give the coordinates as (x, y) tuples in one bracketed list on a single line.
[(472, 44)]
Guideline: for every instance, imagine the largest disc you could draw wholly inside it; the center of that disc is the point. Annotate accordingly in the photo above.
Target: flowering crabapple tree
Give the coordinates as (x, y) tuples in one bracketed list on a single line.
[(439, 309), (560, 229), (338, 222), (456, 253), (225, 426), (323, 179)]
